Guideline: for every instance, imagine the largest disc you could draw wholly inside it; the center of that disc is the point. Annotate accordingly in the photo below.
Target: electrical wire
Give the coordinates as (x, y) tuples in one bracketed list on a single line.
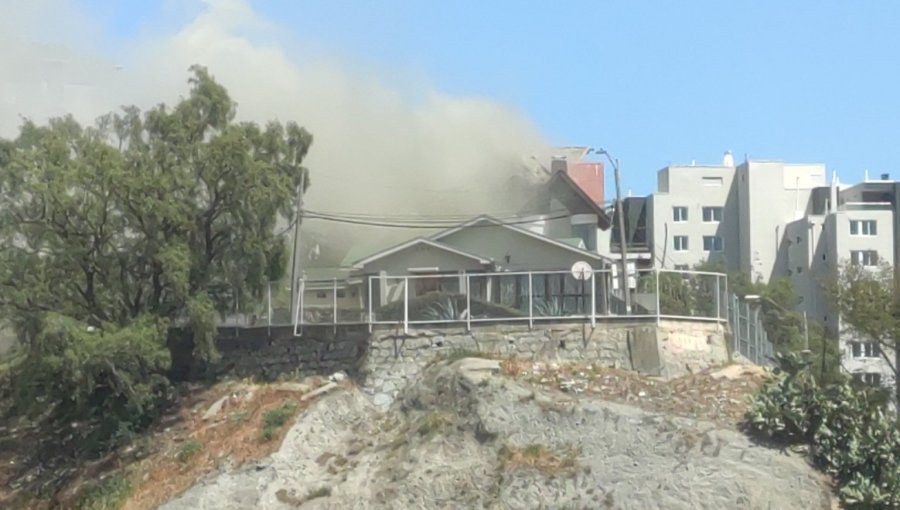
[(412, 225)]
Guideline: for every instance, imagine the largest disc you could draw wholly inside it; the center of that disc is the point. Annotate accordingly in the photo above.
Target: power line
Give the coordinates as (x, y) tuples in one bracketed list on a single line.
[(417, 217), (412, 225)]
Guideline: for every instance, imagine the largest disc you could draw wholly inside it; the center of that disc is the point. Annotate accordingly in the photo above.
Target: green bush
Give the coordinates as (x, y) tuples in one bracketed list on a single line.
[(851, 436), (108, 494), (112, 378), (274, 419)]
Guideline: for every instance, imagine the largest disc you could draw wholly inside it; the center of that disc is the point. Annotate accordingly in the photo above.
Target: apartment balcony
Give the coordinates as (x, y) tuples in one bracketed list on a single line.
[(866, 206)]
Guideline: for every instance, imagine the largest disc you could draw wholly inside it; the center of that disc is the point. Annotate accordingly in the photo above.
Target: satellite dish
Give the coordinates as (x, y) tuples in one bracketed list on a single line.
[(581, 270)]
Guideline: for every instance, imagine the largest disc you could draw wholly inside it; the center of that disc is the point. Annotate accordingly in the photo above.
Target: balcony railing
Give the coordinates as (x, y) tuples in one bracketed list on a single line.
[(463, 299)]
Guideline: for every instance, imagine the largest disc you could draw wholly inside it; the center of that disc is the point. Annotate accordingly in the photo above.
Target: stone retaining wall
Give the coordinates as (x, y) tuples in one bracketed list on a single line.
[(386, 360)]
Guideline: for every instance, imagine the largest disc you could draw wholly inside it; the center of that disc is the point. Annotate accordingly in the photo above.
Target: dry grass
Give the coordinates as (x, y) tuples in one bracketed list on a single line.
[(540, 458), (197, 447)]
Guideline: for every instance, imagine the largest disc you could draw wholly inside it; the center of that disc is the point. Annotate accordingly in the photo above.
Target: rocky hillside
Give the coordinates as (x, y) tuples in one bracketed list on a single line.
[(473, 434)]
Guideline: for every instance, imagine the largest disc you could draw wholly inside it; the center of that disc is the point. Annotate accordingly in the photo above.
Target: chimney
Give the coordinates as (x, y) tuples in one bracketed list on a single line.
[(728, 159), (558, 164)]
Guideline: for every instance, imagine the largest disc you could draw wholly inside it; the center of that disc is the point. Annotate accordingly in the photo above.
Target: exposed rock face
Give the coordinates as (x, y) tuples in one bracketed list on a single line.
[(465, 437)]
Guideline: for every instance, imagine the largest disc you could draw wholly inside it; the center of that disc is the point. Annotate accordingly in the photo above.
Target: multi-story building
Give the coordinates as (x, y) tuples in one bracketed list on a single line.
[(772, 219), (855, 225), (734, 214)]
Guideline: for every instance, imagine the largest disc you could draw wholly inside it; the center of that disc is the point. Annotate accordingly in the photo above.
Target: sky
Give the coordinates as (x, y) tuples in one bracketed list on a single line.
[(651, 82)]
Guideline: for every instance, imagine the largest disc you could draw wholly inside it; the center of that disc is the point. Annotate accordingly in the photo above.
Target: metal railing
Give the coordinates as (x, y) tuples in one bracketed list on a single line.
[(749, 335), (525, 296)]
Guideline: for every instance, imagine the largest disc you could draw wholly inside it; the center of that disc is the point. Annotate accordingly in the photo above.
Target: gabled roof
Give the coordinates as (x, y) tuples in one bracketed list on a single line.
[(412, 242), (562, 180), (515, 228)]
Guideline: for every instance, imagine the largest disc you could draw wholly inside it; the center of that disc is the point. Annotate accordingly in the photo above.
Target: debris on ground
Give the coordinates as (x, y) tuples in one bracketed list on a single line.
[(716, 394)]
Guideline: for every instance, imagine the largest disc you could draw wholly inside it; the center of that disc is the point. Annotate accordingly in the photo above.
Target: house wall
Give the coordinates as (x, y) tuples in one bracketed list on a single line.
[(419, 256), (515, 251)]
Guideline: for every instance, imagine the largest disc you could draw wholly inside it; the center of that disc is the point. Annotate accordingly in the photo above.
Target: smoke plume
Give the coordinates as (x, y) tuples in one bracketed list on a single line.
[(379, 147)]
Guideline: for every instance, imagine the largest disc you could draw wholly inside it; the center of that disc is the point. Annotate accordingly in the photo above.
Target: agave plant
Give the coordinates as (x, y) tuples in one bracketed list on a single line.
[(444, 310)]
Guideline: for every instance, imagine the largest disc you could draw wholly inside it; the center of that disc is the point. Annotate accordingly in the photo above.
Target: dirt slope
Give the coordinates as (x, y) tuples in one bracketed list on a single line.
[(467, 436)]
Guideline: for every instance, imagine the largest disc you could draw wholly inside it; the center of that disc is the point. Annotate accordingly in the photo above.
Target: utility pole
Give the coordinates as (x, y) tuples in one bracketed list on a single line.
[(623, 239), (295, 259), (623, 246)]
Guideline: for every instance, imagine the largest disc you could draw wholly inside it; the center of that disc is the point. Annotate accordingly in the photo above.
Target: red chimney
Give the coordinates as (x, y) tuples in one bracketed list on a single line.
[(589, 177)]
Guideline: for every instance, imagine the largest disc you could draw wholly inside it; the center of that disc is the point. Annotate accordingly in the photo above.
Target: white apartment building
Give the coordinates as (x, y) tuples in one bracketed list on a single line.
[(731, 213), (773, 219), (856, 224)]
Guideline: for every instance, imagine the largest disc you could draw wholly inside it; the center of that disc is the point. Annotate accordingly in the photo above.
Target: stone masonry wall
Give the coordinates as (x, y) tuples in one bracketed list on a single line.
[(669, 350), (386, 360)]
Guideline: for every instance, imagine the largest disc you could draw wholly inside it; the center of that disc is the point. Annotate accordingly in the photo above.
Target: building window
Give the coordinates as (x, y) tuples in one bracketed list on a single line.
[(712, 214), (712, 243), (341, 294), (868, 258), (682, 267), (679, 214), (872, 379), (863, 228), (712, 181), (681, 243), (862, 350), (321, 294)]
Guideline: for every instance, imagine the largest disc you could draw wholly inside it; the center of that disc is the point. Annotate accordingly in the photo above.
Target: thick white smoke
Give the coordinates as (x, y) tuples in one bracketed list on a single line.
[(379, 147)]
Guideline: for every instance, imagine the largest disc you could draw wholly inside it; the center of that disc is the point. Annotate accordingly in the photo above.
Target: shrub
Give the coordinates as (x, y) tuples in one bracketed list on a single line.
[(189, 449), (851, 436), (107, 494), (274, 419), (112, 377)]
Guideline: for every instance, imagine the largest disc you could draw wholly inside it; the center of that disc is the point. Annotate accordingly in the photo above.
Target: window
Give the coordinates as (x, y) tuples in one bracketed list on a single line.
[(341, 294), (679, 214), (712, 243), (681, 243), (712, 181), (863, 228), (869, 378), (864, 257), (712, 214), (682, 267), (321, 294), (862, 350)]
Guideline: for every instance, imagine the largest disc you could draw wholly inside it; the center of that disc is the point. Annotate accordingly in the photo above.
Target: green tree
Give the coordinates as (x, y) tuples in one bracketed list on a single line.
[(785, 326), (865, 299), (166, 215)]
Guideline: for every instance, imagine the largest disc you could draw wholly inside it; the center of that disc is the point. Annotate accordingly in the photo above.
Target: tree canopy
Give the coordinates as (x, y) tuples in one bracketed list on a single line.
[(865, 298), (169, 214)]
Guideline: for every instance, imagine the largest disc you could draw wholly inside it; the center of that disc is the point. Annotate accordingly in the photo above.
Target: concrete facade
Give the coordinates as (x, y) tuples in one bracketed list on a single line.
[(780, 220), (731, 214)]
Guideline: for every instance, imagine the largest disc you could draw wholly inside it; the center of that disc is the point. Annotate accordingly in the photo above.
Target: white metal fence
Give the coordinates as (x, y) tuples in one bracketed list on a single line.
[(748, 332), (525, 296)]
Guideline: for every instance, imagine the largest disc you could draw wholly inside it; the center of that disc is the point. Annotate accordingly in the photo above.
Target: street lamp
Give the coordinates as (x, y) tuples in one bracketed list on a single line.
[(620, 214)]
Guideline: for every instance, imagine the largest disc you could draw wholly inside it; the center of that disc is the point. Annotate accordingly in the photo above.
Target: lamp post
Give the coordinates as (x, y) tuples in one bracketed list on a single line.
[(623, 248)]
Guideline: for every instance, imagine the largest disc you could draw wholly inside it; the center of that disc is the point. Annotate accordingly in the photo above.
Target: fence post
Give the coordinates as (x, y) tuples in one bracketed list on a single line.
[(593, 300), (658, 310), (334, 312), (269, 309), (718, 300), (406, 304), (371, 310), (298, 310), (468, 304), (530, 300)]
